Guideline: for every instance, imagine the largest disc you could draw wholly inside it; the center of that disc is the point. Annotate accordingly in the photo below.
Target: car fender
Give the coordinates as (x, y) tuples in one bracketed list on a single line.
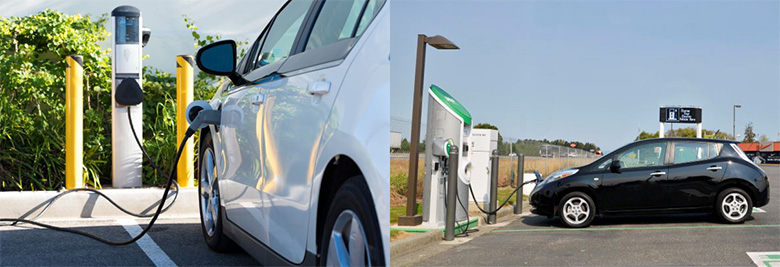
[(572, 186)]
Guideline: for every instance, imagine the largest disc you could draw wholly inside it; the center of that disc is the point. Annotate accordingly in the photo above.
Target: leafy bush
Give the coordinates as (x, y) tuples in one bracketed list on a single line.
[(32, 98), (32, 101)]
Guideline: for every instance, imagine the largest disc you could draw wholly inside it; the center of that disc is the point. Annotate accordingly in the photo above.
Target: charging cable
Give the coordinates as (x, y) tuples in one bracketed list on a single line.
[(457, 224), (195, 123), (502, 204)]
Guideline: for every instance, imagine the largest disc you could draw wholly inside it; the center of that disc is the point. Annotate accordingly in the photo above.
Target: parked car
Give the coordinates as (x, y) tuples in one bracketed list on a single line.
[(664, 175), (297, 172)]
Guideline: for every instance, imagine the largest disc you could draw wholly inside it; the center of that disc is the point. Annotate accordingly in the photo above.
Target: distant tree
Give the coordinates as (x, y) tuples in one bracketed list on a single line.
[(750, 136), (685, 132), (645, 135), (763, 138), (405, 146), (716, 135), (485, 126)]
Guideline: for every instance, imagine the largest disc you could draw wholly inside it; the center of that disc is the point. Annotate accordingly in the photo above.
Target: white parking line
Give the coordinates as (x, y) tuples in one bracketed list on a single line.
[(154, 252), (757, 210), (765, 259)]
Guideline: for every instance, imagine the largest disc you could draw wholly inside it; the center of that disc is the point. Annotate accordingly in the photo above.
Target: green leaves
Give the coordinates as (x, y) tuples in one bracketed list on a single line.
[(32, 98), (32, 101)]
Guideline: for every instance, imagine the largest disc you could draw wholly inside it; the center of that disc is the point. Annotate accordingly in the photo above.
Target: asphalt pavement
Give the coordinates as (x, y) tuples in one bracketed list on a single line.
[(171, 241), (628, 240)]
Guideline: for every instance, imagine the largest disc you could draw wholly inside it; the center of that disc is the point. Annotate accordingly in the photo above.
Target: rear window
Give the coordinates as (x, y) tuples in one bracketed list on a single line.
[(740, 152), (689, 151)]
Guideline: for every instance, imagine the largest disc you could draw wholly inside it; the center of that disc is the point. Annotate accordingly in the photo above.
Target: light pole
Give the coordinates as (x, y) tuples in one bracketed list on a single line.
[(439, 42), (734, 121)]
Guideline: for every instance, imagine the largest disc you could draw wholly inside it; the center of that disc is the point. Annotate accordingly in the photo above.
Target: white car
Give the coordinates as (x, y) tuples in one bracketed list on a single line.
[(297, 171)]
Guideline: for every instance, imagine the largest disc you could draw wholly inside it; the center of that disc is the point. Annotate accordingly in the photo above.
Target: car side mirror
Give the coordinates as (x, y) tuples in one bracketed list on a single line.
[(219, 58), (615, 166)]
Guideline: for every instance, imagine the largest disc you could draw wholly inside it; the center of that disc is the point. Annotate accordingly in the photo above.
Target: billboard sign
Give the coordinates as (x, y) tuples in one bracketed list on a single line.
[(680, 115)]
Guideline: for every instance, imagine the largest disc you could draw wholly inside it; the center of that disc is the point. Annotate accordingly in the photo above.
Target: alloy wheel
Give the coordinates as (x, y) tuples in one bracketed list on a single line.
[(576, 210), (734, 206), (209, 193), (348, 246)]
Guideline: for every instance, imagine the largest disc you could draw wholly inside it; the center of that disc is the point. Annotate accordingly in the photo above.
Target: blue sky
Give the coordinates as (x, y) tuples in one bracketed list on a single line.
[(595, 71)]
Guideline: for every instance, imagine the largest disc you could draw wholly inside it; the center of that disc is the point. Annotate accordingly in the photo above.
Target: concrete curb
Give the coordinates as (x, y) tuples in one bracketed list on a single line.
[(79, 205), (421, 240), (414, 242)]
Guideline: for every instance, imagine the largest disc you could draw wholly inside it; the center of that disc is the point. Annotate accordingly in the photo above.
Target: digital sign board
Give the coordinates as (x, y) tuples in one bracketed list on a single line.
[(680, 115)]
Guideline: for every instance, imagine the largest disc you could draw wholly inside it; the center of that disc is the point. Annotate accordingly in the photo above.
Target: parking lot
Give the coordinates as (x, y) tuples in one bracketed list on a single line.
[(635, 240), (173, 242)]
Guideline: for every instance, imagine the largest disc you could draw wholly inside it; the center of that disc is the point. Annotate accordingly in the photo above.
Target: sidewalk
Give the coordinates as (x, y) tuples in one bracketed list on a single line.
[(79, 205), (418, 247)]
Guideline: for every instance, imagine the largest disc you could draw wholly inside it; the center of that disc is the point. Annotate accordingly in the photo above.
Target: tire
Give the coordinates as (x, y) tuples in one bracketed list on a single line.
[(733, 205), (576, 210), (352, 201), (211, 220)]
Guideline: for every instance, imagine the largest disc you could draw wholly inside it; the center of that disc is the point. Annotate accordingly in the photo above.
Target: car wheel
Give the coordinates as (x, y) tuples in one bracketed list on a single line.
[(577, 210), (733, 205), (208, 194), (351, 236)]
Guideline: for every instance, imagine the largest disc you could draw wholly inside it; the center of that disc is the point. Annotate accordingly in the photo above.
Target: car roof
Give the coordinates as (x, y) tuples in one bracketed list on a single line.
[(688, 139)]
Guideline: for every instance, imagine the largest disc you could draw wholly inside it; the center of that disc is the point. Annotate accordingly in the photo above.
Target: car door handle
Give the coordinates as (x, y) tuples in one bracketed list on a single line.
[(320, 87), (657, 173), (714, 168), (258, 99)]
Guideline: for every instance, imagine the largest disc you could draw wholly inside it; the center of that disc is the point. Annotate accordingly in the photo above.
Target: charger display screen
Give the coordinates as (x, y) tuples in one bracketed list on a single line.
[(127, 30)]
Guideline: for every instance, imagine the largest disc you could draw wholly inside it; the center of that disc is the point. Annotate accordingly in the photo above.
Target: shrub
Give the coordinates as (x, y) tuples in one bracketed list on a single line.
[(32, 101)]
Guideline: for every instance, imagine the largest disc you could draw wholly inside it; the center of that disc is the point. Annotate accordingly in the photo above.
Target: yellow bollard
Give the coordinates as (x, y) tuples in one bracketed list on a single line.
[(184, 95), (74, 122)]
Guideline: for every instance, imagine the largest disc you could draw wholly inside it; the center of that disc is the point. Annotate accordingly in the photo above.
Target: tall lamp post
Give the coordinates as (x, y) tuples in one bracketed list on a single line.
[(438, 42), (734, 121)]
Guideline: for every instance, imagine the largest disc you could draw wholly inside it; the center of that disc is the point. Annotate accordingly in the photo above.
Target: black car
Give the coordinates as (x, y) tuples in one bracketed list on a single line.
[(663, 175)]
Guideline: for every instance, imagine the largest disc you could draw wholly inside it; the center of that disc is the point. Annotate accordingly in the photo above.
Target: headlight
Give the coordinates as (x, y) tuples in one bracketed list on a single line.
[(559, 174)]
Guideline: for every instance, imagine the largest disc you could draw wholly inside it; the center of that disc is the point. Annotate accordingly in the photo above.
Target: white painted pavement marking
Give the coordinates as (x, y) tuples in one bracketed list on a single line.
[(758, 210), (765, 259), (154, 252)]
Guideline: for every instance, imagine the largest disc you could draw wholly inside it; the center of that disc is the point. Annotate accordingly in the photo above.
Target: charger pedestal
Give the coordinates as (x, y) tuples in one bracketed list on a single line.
[(448, 121), (126, 81)]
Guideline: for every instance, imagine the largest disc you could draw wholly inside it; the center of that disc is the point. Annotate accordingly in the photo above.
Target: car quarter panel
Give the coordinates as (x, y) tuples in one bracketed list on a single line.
[(750, 176)]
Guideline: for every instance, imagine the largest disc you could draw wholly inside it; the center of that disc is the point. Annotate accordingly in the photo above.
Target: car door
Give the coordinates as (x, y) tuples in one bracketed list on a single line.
[(243, 121), (694, 174), (637, 184), (299, 66)]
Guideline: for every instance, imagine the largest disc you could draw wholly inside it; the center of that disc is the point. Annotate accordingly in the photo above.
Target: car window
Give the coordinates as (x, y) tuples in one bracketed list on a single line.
[(336, 21), (690, 151), (714, 150), (371, 10), (604, 165), (277, 43), (644, 155), (341, 19)]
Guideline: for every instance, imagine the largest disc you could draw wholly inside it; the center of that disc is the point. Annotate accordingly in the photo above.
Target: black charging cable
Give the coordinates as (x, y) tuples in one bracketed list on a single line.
[(502, 204), (160, 209), (468, 218), (457, 224)]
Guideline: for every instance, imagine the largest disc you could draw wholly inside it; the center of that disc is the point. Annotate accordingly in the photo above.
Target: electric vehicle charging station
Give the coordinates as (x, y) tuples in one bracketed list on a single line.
[(484, 141), (126, 80), (449, 123)]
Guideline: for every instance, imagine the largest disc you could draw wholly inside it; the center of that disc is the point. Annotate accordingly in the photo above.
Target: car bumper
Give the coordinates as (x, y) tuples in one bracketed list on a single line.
[(763, 198), (542, 202)]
